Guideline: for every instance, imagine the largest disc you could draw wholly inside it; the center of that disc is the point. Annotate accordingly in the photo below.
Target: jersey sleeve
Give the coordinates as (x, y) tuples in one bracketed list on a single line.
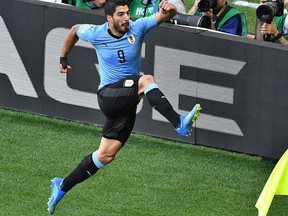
[(85, 31), (144, 25)]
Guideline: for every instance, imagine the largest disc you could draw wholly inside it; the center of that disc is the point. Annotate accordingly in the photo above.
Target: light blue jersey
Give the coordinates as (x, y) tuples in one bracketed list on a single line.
[(118, 57)]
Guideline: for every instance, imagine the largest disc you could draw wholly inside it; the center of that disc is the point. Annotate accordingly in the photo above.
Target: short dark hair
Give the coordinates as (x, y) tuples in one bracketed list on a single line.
[(110, 6)]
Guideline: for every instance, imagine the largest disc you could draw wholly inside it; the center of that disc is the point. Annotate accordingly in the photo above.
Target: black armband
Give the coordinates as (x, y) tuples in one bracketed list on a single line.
[(64, 62)]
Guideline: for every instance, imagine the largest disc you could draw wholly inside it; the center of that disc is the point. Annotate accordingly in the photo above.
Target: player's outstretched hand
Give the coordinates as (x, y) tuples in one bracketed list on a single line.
[(166, 6), (166, 12)]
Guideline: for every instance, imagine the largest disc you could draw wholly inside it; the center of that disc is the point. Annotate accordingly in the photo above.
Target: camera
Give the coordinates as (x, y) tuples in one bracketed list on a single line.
[(199, 21), (269, 9), (205, 5)]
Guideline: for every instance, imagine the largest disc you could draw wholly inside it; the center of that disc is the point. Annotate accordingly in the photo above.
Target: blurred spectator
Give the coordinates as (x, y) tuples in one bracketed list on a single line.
[(224, 17), (94, 4), (179, 4), (144, 8), (53, 1), (278, 32), (138, 8)]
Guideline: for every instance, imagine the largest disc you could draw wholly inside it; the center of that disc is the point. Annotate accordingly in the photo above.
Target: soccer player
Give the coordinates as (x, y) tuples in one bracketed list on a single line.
[(118, 45)]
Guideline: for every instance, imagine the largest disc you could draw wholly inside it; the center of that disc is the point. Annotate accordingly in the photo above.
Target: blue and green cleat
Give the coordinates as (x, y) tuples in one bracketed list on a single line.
[(56, 194), (188, 120)]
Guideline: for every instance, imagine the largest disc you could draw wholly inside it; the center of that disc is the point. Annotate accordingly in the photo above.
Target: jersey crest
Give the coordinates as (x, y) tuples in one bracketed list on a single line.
[(131, 39)]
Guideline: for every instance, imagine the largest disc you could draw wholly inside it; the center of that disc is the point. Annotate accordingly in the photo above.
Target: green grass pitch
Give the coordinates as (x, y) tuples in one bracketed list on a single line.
[(149, 176)]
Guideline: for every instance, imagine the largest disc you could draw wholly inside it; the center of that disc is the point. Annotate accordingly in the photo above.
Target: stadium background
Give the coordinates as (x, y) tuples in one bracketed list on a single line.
[(240, 83)]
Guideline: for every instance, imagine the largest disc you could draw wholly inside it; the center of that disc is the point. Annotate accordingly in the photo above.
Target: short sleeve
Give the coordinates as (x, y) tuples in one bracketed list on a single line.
[(85, 31), (144, 25)]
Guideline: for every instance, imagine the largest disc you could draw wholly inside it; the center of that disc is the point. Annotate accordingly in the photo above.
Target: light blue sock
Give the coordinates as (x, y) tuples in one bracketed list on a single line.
[(150, 87), (96, 160)]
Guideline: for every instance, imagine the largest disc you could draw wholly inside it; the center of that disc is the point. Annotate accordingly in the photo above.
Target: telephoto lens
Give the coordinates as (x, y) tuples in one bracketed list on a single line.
[(189, 20), (268, 10)]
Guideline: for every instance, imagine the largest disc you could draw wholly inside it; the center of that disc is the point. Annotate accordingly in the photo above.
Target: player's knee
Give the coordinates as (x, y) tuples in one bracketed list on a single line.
[(145, 81), (148, 79)]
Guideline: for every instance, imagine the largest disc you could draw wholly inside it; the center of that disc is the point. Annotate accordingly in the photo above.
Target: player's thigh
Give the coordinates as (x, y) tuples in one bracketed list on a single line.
[(119, 128)]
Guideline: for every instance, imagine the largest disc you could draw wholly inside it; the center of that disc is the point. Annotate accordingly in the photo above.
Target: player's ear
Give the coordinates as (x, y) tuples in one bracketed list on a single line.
[(109, 18)]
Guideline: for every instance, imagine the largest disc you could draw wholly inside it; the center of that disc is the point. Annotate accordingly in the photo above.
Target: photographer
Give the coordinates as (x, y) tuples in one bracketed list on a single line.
[(278, 32), (224, 17)]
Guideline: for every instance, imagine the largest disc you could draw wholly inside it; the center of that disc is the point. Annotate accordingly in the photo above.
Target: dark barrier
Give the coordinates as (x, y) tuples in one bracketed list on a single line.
[(240, 83)]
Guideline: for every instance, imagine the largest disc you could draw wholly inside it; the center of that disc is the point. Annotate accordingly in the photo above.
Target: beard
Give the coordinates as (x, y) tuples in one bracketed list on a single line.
[(122, 29)]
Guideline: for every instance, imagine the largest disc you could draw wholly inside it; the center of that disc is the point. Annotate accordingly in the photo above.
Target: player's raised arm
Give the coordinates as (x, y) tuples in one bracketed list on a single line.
[(69, 42), (166, 12)]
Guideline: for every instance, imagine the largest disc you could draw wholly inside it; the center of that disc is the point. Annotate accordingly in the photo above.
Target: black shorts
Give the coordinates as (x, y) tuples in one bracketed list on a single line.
[(118, 102)]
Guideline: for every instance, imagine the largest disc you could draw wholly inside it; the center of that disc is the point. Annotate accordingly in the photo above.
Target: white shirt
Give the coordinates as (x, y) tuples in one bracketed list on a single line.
[(179, 5)]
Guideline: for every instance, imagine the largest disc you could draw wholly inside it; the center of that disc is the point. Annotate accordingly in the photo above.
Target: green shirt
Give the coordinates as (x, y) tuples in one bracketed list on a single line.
[(142, 8), (78, 3), (279, 23)]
